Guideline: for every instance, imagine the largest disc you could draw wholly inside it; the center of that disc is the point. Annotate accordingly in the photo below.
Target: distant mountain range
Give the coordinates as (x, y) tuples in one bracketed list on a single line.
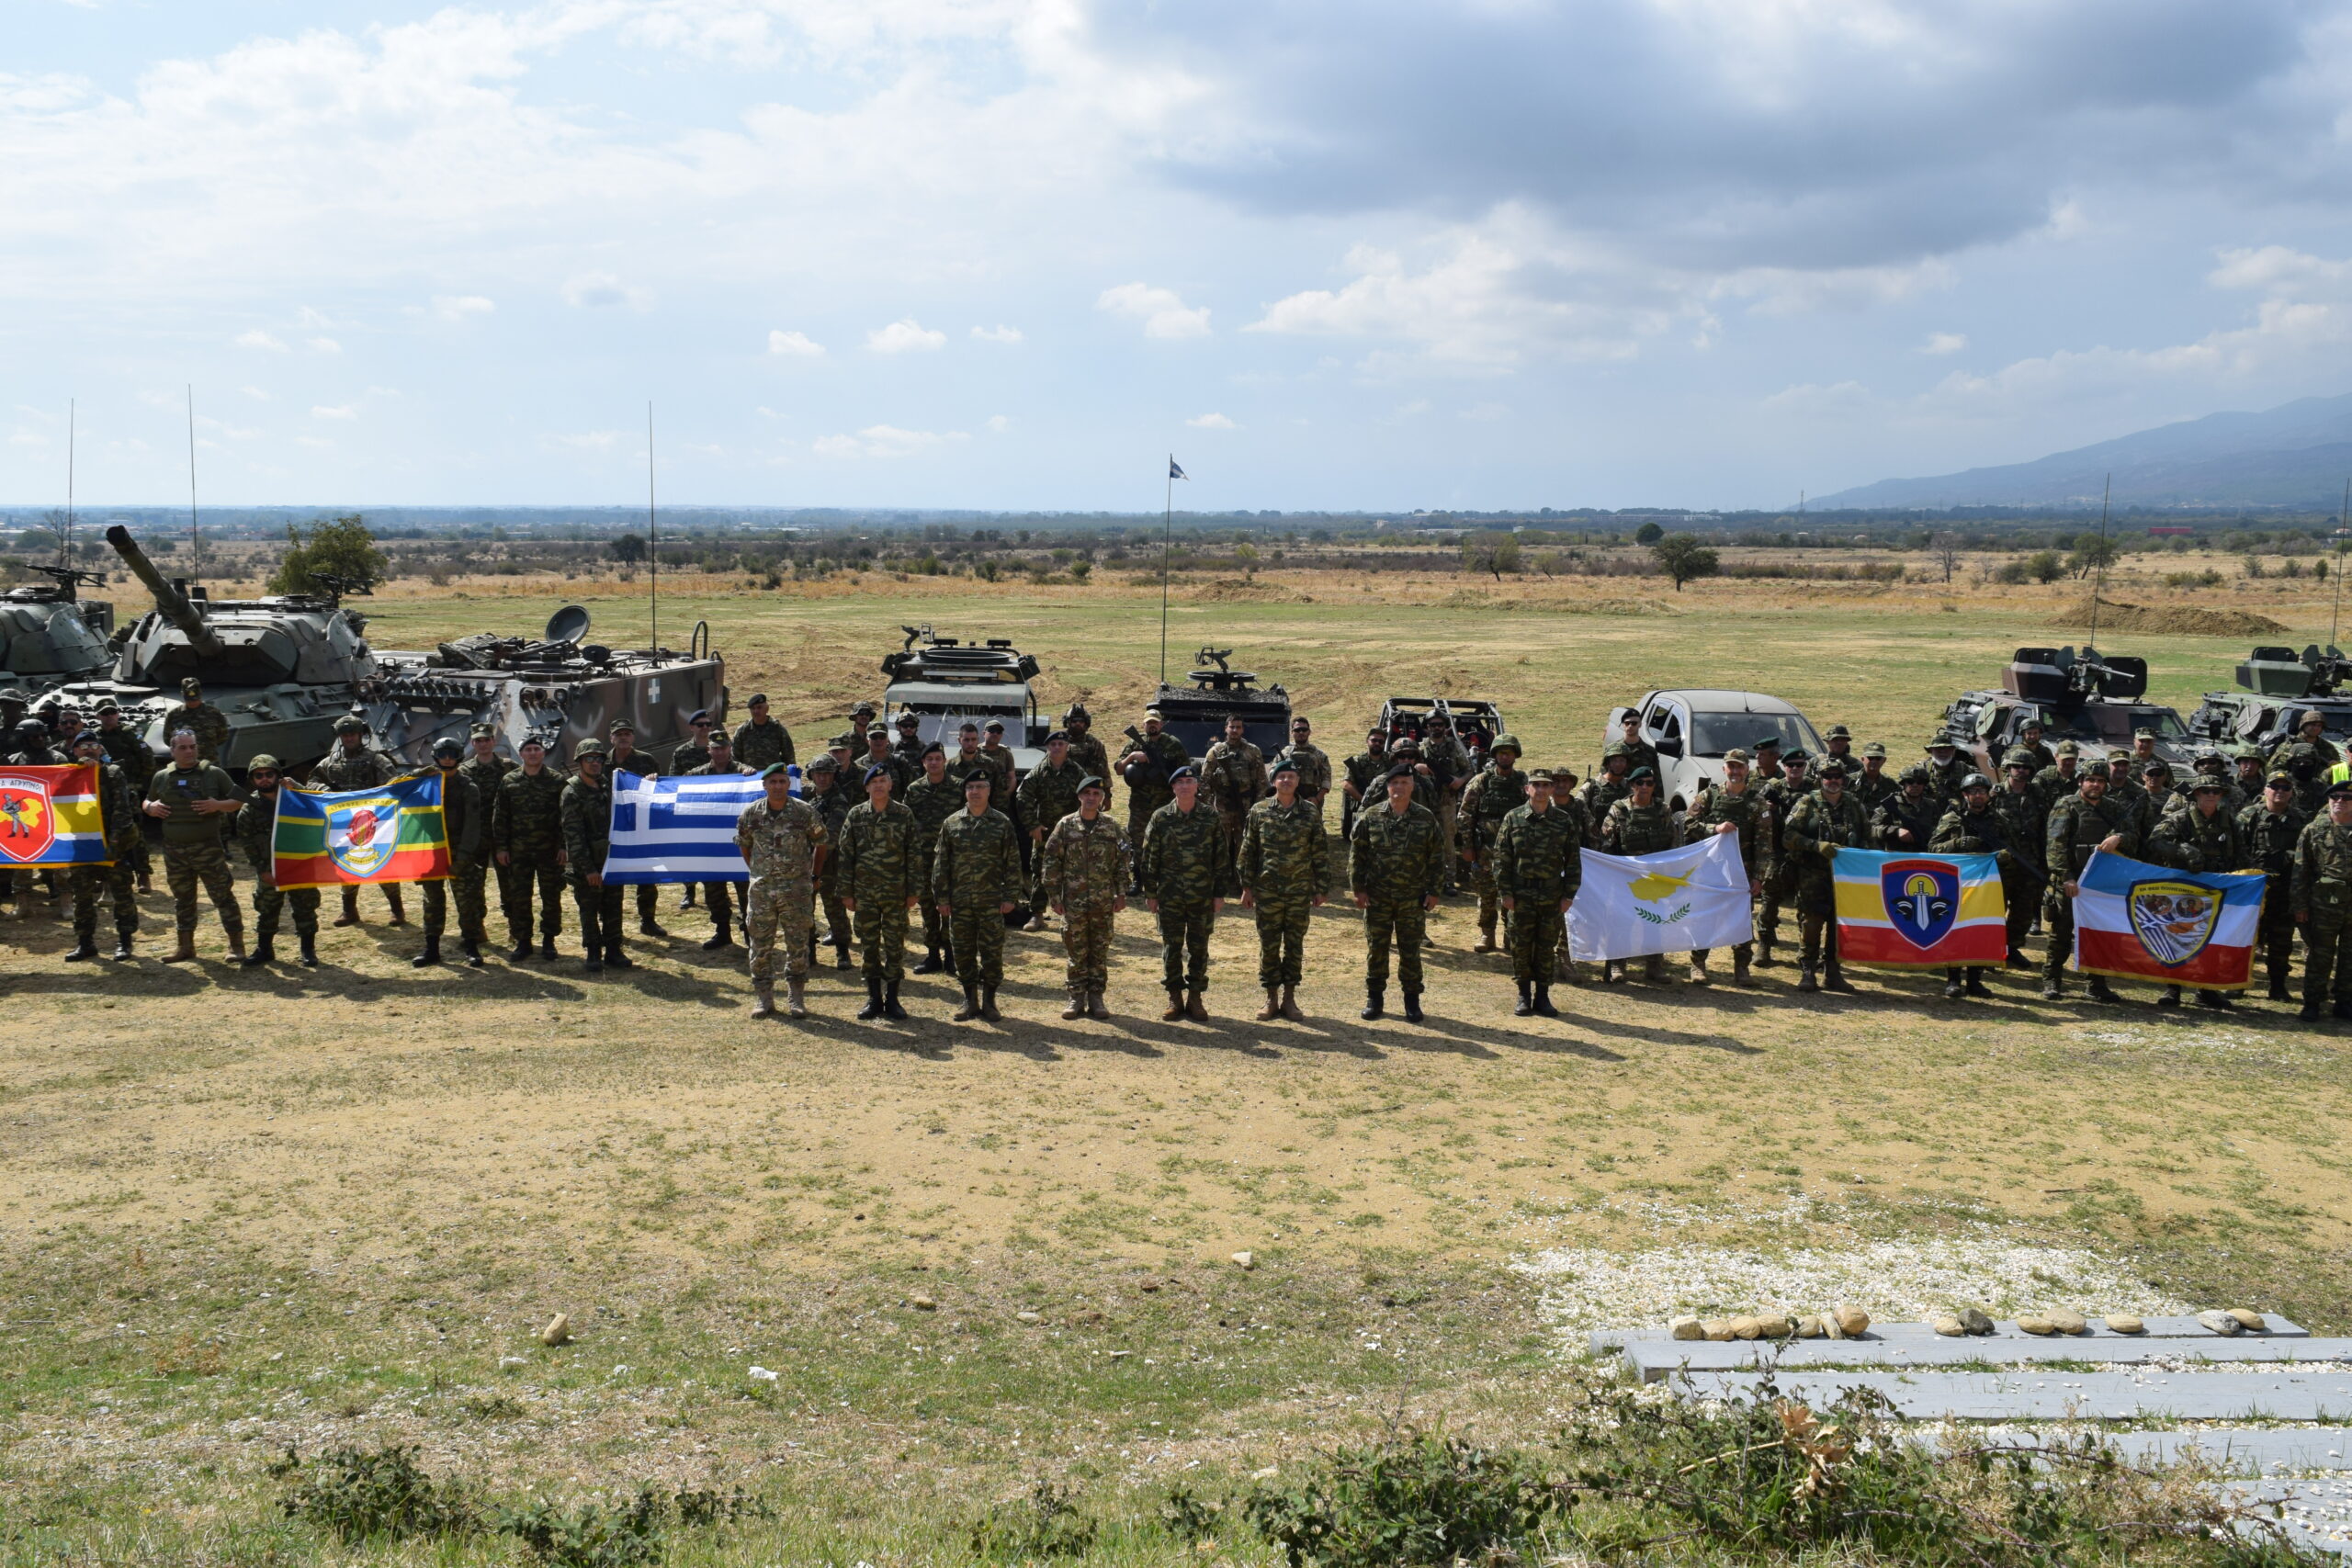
[(2297, 455)]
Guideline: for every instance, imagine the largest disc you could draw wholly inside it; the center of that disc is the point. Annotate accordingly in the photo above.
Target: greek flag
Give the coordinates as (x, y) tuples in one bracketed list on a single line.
[(678, 830)]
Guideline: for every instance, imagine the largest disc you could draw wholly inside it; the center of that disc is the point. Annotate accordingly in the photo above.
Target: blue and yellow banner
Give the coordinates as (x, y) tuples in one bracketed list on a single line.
[(1915, 911)]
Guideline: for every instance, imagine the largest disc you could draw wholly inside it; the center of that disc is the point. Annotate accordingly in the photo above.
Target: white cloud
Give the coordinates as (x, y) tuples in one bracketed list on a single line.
[(1482, 413), (595, 290), (1793, 291), (260, 339), (1210, 421), (884, 441), (460, 306), (255, 393), (1944, 342), (996, 424), (791, 345), (341, 411), (905, 336), (325, 345), (1162, 312), (999, 334)]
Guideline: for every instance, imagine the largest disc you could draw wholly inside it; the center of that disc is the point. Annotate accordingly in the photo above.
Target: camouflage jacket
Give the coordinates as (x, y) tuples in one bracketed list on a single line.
[(875, 859), (129, 753), (1597, 795), (1816, 829), (1965, 832), (2028, 817), (1050, 794), (2054, 786), (1285, 855), (587, 811), (2323, 877), (528, 818), (343, 769), (762, 745), (781, 844), (1640, 754), (1633, 829), (254, 827), (180, 788), (1093, 761), (1538, 856), (1085, 867), (962, 766), (933, 805), (1944, 782), (487, 776), (1184, 860), (2309, 764), (978, 861), (117, 809), (2191, 841), (1780, 798), (911, 752), (688, 756), (1491, 796), (1921, 817), (1717, 806), (211, 727), (832, 809), (2269, 837), (462, 815), (1233, 775), (1001, 763), (1145, 766), (901, 772), (1875, 790), (1398, 858), (2077, 827), (1363, 771), (1314, 771)]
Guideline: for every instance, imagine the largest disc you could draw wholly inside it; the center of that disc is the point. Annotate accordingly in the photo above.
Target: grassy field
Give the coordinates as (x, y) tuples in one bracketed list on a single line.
[(243, 1211)]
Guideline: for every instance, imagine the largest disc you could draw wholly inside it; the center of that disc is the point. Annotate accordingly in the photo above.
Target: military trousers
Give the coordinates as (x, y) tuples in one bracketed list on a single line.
[(270, 902), (1404, 923), (600, 914), (778, 919), (1818, 934), (649, 902), (934, 924), (467, 880), (1184, 946), (187, 865), (724, 900), (1139, 810), (121, 881), (2018, 891), (882, 938), (1778, 884), (1490, 899), (2277, 933), (837, 929), (1086, 944), (1532, 932), (977, 931), (1449, 822), (2327, 955), (1282, 939), (529, 870), (2058, 924)]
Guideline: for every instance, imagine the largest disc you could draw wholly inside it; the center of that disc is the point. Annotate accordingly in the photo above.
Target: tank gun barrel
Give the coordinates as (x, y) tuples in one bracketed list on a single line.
[(168, 599)]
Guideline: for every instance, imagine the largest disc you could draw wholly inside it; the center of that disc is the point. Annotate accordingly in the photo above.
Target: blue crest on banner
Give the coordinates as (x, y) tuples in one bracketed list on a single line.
[(1922, 900)]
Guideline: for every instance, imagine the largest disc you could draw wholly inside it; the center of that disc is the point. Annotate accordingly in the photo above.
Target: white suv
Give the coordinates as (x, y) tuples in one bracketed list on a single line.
[(1692, 731)]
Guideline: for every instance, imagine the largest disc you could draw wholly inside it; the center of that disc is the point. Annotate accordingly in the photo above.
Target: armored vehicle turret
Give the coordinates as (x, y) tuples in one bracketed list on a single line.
[(49, 634), (2093, 699), (2279, 686), (1213, 692)]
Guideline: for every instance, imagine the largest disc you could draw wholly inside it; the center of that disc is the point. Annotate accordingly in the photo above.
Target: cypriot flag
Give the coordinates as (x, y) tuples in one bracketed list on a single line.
[(1673, 901)]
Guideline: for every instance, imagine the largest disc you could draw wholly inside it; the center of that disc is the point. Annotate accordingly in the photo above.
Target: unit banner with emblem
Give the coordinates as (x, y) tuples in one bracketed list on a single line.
[(1915, 911), (2139, 922), (392, 833), (1672, 901), (51, 816)]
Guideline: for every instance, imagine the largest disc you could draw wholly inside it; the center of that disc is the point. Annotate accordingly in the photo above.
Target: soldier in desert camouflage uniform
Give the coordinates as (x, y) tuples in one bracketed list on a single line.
[(1186, 872), (880, 878), (1086, 866), (784, 845), (1536, 865), (1283, 869)]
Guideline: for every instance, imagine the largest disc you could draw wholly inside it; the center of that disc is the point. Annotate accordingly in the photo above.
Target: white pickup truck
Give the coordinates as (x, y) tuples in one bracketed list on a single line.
[(1692, 729)]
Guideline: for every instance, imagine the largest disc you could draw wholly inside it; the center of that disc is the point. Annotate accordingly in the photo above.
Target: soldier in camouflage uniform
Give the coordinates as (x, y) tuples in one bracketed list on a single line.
[(1086, 747), (1086, 867), (763, 742), (2269, 829), (695, 750), (2025, 815), (2307, 759), (1873, 786), (1821, 823), (1838, 745), (911, 745), (934, 798), (976, 881), (2124, 792), (829, 796), (465, 816), (1906, 823), (354, 764), (1006, 798), (527, 832), (31, 749), (1148, 763), (1639, 753), (1186, 873), (1735, 805), (486, 770), (1537, 865), (2321, 894), (1974, 827), (1361, 776), (2058, 780), (2204, 837), (2030, 741), (1491, 796), (255, 830), (720, 898), (1396, 870), (1284, 868), (880, 876), (1047, 796), (1604, 790), (1638, 825), (968, 760), (1314, 764), (879, 754), (1779, 797), (209, 724), (1233, 776), (784, 845), (2083, 822), (1947, 765), (129, 752), (118, 811), (625, 758), (192, 798), (1449, 770), (586, 808)]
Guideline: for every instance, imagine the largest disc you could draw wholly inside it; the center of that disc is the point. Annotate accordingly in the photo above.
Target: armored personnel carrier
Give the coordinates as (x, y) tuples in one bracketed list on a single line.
[(49, 634), (285, 667), (1214, 692), (2089, 698), (945, 681), (2279, 686)]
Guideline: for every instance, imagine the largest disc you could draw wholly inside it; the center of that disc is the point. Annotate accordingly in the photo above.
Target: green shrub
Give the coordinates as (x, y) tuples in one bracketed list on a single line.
[(1419, 1498), (1046, 1523), (356, 1494)]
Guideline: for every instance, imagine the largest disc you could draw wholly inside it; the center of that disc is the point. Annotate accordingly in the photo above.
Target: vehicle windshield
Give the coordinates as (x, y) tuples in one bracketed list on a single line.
[(1712, 734), (2112, 723)]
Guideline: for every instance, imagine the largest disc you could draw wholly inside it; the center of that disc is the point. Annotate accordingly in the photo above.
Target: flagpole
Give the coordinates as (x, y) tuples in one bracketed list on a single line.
[(66, 539), (652, 539), (195, 540), (1167, 538), (2341, 513)]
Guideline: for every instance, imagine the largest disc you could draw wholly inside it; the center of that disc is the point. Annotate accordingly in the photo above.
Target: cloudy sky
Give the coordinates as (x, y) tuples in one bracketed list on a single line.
[(1009, 253)]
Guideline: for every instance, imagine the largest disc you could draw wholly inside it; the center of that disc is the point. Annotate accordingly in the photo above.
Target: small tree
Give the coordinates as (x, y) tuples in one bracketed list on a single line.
[(1495, 554), (341, 548), (1648, 534), (1946, 548), (1681, 556), (629, 549), (2091, 553), (2044, 567)]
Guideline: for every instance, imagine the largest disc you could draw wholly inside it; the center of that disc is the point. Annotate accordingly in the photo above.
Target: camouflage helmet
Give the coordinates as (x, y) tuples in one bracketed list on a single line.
[(588, 748), (1614, 749), (261, 763), (351, 724), (1077, 714), (1974, 781), (1506, 742), (2018, 757)]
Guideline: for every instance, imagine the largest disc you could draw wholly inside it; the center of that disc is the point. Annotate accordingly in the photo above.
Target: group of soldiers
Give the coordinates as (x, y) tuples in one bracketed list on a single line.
[(881, 831)]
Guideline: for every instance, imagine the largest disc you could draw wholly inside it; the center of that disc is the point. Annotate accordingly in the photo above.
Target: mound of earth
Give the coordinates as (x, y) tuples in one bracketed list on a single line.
[(2182, 620)]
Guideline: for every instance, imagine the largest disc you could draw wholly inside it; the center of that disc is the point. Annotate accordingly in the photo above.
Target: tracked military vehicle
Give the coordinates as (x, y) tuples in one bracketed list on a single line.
[(49, 636), (944, 683), (2089, 698), (2279, 686), (1214, 692), (285, 667)]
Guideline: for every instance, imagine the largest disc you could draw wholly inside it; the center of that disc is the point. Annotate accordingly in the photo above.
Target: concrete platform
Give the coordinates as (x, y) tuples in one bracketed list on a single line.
[(1931, 1395), (1605, 1340), (1655, 1358)]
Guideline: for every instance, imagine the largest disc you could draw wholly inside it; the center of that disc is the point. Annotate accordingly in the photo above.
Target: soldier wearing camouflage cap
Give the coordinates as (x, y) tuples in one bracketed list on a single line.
[(527, 838), (1494, 794), (1822, 822), (1538, 864), (587, 810), (486, 770), (1780, 796), (1872, 786), (209, 724), (352, 765), (1838, 745), (2269, 829), (626, 758), (1284, 872), (880, 876), (2058, 780), (255, 830)]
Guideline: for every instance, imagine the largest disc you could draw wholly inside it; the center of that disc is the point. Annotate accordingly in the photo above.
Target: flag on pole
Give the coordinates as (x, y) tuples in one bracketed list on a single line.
[(2138, 921), (1174, 472), (51, 816), (679, 830), (392, 833), (1912, 911), (1672, 901)]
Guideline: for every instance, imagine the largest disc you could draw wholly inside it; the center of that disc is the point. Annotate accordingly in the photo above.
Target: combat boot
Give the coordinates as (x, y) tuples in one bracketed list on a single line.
[(2171, 998), (2312, 1013), (310, 950), (890, 1008), (2054, 991), (1486, 938), (426, 959), (1698, 970), (1611, 971), (547, 946), (1954, 987), (722, 937), (2343, 1009), (1833, 977), (840, 954), (648, 926), (765, 1006), (83, 948), (1195, 1008), (2097, 990), (1095, 1007), (1764, 959), (473, 950), (264, 951), (1290, 1005), (2216, 1001), (522, 950), (592, 959), (1037, 921), (927, 964), (121, 946), (350, 915), (1741, 974), (1805, 981), (2279, 992), (1526, 1008), (23, 903), (1412, 1006), (1077, 1009), (796, 996), (1376, 1000), (615, 957), (1975, 985), (971, 1007), (1175, 1007), (400, 909), (186, 952), (987, 1006), (1654, 969), (237, 944), (873, 1008), (1273, 1008), (1543, 1007)]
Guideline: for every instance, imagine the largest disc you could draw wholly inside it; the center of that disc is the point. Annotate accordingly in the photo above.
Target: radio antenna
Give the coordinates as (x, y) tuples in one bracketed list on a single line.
[(2333, 614), (652, 538), (2099, 582), (195, 540), (66, 536)]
